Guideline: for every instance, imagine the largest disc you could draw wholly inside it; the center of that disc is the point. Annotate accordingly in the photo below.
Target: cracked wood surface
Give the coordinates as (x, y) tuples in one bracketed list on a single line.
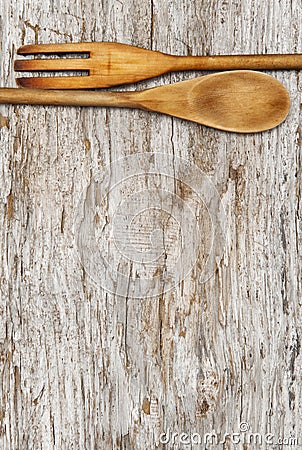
[(84, 368)]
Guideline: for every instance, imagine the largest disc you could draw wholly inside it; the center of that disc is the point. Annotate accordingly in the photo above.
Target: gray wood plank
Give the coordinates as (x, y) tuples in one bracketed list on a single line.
[(85, 365)]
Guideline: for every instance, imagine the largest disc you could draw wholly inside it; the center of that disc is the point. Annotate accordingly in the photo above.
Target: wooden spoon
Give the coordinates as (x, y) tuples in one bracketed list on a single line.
[(240, 101)]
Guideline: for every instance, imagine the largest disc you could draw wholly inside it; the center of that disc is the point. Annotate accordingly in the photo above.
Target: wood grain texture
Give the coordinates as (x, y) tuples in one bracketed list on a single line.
[(83, 368)]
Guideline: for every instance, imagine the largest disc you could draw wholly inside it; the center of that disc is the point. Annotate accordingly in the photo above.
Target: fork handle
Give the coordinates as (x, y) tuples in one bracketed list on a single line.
[(24, 96), (233, 62)]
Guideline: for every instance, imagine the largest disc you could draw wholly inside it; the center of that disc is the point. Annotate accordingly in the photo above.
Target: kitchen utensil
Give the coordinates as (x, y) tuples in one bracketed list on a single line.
[(239, 101), (112, 64)]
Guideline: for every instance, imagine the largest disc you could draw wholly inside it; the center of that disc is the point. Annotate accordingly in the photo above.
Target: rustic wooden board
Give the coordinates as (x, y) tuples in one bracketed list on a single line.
[(84, 365)]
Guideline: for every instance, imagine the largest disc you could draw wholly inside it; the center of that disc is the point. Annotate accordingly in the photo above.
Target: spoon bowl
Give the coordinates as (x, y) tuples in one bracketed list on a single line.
[(239, 101)]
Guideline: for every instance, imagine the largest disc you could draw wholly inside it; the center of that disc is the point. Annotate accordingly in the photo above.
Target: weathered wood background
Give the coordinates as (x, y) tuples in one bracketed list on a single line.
[(84, 367)]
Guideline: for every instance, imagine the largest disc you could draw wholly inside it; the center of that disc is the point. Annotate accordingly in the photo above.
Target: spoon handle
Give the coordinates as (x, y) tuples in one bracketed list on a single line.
[(26, 96), (232, 62)]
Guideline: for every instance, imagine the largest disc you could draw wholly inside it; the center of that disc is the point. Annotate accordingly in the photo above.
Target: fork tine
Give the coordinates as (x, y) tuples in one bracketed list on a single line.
[(74, 82), (22, 65), (33, 49)]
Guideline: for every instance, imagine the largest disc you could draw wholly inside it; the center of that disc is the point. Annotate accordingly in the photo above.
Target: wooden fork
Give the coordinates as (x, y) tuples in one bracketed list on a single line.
[(111, 64)]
